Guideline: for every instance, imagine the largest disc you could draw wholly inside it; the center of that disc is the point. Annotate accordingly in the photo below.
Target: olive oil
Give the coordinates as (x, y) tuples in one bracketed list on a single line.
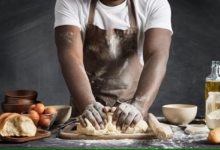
[(212, 83), (211, 86)]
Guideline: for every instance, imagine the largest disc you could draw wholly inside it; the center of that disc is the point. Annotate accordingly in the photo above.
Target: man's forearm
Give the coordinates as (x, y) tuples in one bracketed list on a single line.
[(77, 80), (150, 80), (156, 54), (70, 53)]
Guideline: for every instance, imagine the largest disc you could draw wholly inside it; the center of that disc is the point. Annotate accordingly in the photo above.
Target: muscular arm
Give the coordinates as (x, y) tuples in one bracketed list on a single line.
[(155, 53), (70, 53)]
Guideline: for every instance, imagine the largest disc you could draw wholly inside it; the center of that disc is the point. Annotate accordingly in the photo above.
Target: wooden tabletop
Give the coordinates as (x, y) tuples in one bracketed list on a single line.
[(180, 140)]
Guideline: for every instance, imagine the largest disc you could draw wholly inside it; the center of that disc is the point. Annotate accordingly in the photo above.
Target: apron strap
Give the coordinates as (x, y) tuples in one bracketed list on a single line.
[(131, 10), (132, 16), (92, 11)]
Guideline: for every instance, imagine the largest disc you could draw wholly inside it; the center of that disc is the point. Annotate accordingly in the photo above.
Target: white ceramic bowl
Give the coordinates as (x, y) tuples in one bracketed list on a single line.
[(180, 114), (63, 113)]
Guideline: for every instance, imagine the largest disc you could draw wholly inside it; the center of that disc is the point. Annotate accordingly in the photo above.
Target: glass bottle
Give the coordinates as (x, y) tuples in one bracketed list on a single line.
[(213, 110), (212, 83)]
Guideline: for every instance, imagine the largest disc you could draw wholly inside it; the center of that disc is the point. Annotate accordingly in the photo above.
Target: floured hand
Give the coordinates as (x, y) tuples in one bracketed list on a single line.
[(125, 115), (94, 112)]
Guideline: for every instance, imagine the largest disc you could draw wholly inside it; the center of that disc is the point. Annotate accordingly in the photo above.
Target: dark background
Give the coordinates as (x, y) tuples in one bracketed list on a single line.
[(28, 56)]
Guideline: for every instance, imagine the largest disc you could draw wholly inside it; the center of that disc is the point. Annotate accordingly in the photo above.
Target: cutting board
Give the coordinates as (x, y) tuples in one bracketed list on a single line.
[(70, 132), (40, 134)]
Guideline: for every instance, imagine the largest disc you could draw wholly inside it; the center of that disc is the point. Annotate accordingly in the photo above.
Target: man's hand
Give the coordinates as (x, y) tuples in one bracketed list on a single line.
[(94, 112), (126, 115)]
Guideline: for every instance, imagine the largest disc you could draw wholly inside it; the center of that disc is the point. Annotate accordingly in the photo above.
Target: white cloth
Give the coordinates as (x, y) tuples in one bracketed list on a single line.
[(149, 14)]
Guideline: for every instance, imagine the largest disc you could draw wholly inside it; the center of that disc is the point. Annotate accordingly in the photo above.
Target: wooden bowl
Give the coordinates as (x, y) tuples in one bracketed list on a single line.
[(22, 94), (63, 113), (15, 98), (20, 101), (180, 114), (18, 108)]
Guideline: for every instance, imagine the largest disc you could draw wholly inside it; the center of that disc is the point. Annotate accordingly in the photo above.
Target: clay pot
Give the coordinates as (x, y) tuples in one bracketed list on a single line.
[(18, 108), (19, 101), (21, 94)]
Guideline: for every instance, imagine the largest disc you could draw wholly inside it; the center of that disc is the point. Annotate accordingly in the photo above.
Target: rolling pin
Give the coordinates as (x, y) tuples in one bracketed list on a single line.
[(159, 129)]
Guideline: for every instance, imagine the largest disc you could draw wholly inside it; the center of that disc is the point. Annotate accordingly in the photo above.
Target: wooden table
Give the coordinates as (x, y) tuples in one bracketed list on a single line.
[(180, 140)]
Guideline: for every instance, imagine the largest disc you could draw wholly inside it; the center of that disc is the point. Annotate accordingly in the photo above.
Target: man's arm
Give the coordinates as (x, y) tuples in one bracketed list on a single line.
[(155, 53), (70, 53)]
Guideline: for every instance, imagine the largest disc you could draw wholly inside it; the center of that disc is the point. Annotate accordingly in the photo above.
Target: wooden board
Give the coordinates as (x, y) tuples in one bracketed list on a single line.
[(70, 132), (40, 134)]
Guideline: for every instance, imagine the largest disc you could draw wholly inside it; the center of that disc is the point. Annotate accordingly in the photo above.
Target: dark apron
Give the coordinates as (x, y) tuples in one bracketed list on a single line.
[(111, 61)]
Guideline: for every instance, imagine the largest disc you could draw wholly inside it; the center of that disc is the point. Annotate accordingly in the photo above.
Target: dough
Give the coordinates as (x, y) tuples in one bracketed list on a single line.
[(140, 127)]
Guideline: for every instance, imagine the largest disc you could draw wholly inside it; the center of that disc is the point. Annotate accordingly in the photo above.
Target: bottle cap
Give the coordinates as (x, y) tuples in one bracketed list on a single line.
[(215, 63)]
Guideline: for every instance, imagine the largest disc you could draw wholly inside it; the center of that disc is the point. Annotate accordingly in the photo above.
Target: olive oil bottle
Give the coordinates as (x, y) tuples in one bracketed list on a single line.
[(212, 83)]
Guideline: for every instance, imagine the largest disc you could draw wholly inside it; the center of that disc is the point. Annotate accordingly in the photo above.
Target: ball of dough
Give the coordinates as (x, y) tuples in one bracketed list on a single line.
[(140, 127)]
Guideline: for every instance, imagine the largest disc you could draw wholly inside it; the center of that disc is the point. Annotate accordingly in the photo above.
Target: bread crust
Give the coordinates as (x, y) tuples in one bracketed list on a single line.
[(7, 116), (2, 116), (214, 135)]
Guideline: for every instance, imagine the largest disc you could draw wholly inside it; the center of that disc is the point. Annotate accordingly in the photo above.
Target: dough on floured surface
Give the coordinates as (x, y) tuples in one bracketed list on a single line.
[(140, 127)]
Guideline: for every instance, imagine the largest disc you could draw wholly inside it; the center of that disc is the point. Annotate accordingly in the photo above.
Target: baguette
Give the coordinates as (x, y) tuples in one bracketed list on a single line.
[(14, 124)]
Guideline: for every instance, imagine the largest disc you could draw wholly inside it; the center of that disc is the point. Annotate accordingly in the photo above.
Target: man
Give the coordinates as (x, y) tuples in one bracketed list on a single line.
[(112, 53)]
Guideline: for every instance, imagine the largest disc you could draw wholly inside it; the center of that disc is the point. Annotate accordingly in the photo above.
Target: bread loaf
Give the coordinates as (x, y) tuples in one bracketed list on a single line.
[(3, 116), (214, 135), (14, 124)]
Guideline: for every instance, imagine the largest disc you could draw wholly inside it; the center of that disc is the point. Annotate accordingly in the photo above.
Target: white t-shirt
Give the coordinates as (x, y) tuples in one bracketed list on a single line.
[(149, 14)]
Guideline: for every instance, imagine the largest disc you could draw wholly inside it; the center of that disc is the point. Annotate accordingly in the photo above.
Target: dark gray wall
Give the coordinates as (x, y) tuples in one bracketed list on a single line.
[(195, 44), (28, 57)]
